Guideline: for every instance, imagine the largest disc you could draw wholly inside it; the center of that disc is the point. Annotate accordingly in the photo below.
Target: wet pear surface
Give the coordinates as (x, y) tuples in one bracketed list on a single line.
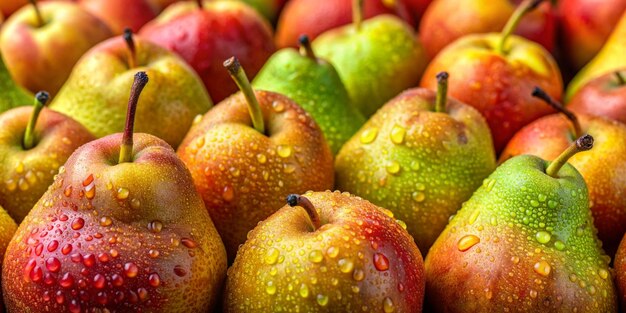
[(12, 94), (26, 174), (130, 237), (419, 164), (7, 229), (244, 175), (524, 242), (360, 260)]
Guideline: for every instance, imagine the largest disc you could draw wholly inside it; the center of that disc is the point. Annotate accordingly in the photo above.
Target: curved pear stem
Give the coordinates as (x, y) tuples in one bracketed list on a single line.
[(303, 202), (41, 99), (514, 20), (541, 94), (200, 5), (583, 143), (239, 76), (305, 47), (442, 92), (357, 13), (132, 53), (126, 149), (621, 80), (40, 21)]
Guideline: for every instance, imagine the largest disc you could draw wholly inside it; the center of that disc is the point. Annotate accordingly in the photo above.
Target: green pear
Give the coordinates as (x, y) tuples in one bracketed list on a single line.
[(609, 59), (420, 156), (315, 85), (376, 59), (524, 242), (11, 95), (95, 93)]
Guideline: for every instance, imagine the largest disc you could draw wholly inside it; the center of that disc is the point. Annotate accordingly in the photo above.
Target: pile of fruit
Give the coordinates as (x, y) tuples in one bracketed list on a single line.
[(181, 156)]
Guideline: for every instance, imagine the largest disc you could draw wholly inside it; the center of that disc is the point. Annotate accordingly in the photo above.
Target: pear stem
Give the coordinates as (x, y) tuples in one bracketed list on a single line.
[(200, 5), (357, 13), (132, 52), (303, 202), (126, 149), (514, 20), (583, 143), (239, 76), (541, 94), (41, 99), (305, 47), (40, 21), (621, 80), (442, 92)]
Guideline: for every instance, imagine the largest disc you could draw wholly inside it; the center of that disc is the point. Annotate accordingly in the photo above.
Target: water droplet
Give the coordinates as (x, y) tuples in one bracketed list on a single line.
[(66, 281), (388, 305), (533, 294), (418, 196), (278, 106), (289, 168), (559, 245), (393, 167), (53, 264), (179, 271), (345, 265), (515, 259), (19, 168), (270, 288), (542, 268), (78, 223), (36, 273), (284, 151), (415, 165), (316, 256), (272, 256), (332, 252), (369, 135), (228, 193), (261, 158), (105, 221), (11, 184), (131, 270), (135, 203), (154, 279), (189, 243), (74, 306), (322, 299), (66, 249), (397, 134), (155, 226), (381, 262), (68, 191), (99, 281), (304, 291), (552, 204), (53, 245), (122, 193), (358, 275), (473, 217), (89, 260), (604, 274), (543, 237), (467, 241)]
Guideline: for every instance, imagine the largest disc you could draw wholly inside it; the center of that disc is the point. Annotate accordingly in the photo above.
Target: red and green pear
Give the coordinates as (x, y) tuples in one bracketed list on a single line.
[(41, 43), (205, 33), (121, 14), (420, 156), (95, 92), (603, 168), (34, 143), (496, 73), (603, 96), (12, 95), (249, 152), (121, 229), (327, 252)]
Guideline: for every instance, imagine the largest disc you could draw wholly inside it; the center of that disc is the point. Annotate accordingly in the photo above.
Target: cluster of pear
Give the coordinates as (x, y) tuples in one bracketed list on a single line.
[(463, 184)]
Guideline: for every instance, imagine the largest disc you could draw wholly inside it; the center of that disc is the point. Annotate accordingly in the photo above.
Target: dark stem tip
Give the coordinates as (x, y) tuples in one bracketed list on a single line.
[(534, 4), (541, 94), (584, 143), (141, 78), (128, 35), (292, 199), (303, 40), (42, 97), (442, 76), (232, 65)]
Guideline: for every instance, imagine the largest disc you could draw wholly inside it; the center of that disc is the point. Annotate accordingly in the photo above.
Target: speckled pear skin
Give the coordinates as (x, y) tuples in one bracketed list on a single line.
[(12, 94), (361, 259), (7, 229), (130, 237), (524, 242), (620, 272), (96, 94), (498, 86), (376, 62), (244, 175), (420, 164), (603, 167), (317, 88), (26, 174)]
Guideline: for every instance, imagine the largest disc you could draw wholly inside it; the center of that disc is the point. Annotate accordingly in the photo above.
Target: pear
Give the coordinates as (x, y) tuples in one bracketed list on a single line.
[(609, 59), (327, 252), (315, 85), (94, 94), (391, 162), (376, 59), (7, 229), (11, 95), (122, 229), (524, 242)]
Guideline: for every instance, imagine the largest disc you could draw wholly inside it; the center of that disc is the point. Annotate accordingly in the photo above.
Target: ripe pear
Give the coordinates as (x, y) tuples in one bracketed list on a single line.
[(609, 59), (604, 96), (315, 85), (524, 242), (251, 151), (620, 272), (12, 95), (327, 252), (391, 160), (34, 143), (94, 94), (120, 230), (7, 229), (376, 59)]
